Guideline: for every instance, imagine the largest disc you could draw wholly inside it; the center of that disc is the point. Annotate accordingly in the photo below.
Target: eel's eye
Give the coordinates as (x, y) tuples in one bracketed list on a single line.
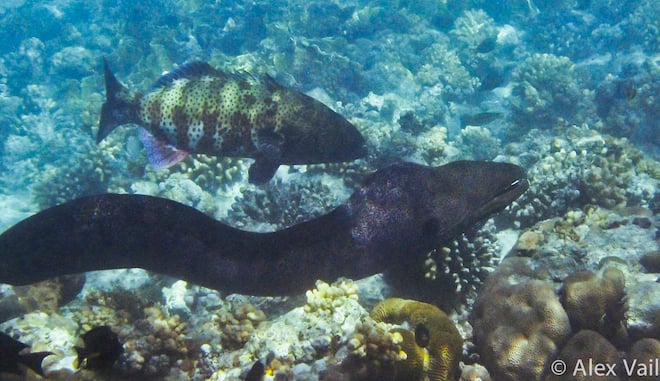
[(517, 183)]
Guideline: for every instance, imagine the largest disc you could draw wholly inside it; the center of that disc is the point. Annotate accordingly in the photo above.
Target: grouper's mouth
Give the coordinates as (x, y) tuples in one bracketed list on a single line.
[(505, 196)]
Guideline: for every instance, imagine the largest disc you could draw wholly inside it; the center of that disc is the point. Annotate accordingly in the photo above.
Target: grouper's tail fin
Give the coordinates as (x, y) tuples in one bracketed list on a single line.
[(120, 107)]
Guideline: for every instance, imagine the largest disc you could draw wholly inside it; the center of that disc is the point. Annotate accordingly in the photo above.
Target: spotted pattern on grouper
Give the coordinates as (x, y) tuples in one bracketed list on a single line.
[(390, 222), (197, 108)]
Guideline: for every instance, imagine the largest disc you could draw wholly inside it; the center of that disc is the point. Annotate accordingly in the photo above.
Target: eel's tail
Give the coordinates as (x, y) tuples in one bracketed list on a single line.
[(120, 107), (33, 360)]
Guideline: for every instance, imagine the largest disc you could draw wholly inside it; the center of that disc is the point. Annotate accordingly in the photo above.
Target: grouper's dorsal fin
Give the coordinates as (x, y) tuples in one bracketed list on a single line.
[(271, 83), (188, 70)]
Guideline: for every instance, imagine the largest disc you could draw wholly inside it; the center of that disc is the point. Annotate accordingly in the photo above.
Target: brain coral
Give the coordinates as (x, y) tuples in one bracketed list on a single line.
[(644, 351), (439, 359), (518, 322), (579, 354), (596, 301)]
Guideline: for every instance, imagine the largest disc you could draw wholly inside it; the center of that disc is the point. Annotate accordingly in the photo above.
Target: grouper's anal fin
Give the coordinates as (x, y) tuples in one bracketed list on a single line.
[(261, 171), (160, 154), (269, 144)]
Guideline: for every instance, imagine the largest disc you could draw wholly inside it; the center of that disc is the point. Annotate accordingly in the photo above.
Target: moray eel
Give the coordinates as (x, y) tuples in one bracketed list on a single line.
[(398, 214)]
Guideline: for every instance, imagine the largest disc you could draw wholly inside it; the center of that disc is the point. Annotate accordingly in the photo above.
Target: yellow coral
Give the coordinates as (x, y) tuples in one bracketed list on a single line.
[(439, 360), (326, 297), (238, 324)]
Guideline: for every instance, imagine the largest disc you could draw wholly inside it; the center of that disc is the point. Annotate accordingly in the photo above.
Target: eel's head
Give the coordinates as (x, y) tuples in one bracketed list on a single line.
[(409, 207), (477, 189)]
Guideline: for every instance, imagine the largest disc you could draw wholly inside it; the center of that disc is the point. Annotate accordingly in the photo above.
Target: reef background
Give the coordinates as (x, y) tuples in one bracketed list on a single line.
[(567, 89)]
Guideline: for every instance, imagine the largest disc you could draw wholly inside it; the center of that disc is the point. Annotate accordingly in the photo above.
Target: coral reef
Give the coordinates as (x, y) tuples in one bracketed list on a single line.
[(644, 352), (325, 298), (474, 372), (625, 102), (582, 167), (374, 352), (238, 324), (570, 88), (595, 254), (443, 347), (472, 28), (643, 317), (518, 321), (584, 348), (443, 65), (546, 94), (300, 341), (282, 203), (153, 345), (83, 177), (478, 143), (596, 302), (197, 181)]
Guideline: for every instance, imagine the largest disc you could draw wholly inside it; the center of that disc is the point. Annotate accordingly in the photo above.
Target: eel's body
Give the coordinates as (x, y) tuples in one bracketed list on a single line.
[(397, 215)]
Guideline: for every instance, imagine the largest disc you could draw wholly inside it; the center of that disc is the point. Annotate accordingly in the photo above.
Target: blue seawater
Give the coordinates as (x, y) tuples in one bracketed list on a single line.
[(568, 89)]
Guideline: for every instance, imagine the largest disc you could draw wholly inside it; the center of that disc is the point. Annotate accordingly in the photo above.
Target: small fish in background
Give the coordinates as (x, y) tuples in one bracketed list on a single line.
[(198, 109), (101, 349), (257, 372), (626, 89), (479, 119), (11, 356), (487, 45)]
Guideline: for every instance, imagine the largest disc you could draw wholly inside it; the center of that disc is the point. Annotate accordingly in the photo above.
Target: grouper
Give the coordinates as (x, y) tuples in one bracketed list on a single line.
[(199, 109), (396, 216)]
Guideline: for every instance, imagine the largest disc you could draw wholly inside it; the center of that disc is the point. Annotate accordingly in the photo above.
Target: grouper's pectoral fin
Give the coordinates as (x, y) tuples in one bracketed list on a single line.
[(269, 144), (261, 171), (159, 153)]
